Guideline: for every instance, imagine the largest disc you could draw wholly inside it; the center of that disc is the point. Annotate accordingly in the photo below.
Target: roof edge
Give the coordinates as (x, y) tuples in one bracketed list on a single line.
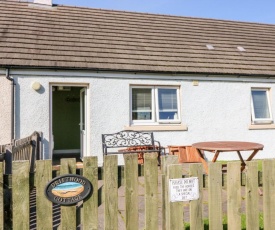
[(237, 75)]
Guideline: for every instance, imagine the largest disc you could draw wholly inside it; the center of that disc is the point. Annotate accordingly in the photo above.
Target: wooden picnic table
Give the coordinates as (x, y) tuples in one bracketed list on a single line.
[(188, 154), (229, 146)]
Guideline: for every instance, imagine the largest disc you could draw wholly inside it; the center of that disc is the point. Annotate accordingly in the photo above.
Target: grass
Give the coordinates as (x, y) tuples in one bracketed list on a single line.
[(260, 165), (225, 226)]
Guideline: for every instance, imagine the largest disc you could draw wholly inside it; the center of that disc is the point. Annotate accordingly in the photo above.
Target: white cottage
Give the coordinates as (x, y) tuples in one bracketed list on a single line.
[(80, 72)]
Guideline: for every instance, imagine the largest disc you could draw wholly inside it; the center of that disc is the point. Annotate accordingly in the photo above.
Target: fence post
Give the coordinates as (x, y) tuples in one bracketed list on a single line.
[(234, 195), (131, 190), (175, 214), (90, 205), (44, 211), (215, 196), (68, 213), (39, 146), (165, 161), (268, 193), (8, 158), (151, 190), (33, 155), (21, 194), (110, 192), (36, 141), (1, 196), (252, 196), (196, 219)]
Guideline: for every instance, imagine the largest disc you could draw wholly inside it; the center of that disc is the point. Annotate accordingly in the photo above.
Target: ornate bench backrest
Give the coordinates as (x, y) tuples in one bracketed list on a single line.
[(127, 139)]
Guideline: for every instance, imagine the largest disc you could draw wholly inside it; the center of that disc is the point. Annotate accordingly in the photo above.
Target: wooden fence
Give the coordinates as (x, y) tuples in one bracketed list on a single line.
[(147, 206)]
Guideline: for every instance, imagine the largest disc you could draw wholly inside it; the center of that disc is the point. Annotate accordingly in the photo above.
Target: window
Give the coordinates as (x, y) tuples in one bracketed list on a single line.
[(155, 104), (260, 104)]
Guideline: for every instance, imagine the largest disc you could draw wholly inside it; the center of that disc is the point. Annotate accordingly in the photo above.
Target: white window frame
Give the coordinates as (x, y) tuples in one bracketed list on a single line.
[(261, 120), (155, 106), (153, 102)]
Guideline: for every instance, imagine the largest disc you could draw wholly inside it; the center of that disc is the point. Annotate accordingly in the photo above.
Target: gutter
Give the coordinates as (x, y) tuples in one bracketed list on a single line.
[(134, 71), (12, 102)]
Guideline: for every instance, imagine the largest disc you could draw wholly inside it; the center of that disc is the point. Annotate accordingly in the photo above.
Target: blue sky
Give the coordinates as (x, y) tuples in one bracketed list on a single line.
[(262, 11)]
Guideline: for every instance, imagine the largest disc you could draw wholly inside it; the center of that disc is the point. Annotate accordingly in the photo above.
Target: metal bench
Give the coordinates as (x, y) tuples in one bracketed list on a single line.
[(131, 142)]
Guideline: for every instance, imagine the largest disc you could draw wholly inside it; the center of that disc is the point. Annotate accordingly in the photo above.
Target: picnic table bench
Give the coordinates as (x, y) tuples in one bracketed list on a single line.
[(131, 142)]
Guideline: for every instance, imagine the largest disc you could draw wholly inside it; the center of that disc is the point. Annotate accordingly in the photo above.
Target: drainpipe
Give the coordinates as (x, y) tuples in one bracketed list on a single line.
[(12, 102)]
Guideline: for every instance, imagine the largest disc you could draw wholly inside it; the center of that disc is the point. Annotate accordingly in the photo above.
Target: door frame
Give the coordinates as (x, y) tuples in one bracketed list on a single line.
[(84, 85), (83, 142)]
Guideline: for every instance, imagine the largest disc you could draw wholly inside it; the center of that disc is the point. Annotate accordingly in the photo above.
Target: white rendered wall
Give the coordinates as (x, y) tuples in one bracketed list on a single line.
[(213, 110), (5, 110)]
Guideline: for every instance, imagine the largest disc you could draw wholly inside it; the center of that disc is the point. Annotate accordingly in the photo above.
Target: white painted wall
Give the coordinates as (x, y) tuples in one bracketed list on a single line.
[(213, 110), (5, 109)]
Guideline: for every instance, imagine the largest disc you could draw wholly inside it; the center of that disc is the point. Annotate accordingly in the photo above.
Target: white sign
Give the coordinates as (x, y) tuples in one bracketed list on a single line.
[(184, 189)]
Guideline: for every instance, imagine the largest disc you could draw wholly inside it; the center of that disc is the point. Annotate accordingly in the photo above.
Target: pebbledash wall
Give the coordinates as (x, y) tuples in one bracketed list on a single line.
[(5, 109), (218, 108)]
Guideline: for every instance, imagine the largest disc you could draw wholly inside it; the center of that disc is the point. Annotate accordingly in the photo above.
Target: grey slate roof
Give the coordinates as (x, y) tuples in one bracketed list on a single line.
[(84, 38)]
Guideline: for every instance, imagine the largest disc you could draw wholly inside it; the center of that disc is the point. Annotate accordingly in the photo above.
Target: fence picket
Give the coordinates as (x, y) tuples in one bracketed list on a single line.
[(1, 196), (175, 208), (43, 205), (215, 196), (21, 195), (268, 194), (196, 220), (110, 192), (68, 213), (234, 195), (165, 161), (131, 191), (90, 210), (252, 196), (151, 190)]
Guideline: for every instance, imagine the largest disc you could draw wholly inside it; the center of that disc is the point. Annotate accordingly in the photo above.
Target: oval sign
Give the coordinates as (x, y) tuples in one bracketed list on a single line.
[(68, 189)]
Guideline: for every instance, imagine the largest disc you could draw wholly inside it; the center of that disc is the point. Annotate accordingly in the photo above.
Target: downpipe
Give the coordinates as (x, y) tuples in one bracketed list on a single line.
[(12, 102)]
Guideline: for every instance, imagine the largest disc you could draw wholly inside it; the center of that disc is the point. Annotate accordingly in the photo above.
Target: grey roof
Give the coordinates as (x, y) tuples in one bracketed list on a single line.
[(84, 38)]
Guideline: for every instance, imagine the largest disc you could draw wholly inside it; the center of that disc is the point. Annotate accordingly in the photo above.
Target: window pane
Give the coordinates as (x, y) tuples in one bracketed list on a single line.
[(141, 104), (168, 106), (260, 103)]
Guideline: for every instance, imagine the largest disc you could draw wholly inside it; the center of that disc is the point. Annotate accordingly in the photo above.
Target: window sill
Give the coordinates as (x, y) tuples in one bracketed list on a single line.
[(157, 127), (264, 126)]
